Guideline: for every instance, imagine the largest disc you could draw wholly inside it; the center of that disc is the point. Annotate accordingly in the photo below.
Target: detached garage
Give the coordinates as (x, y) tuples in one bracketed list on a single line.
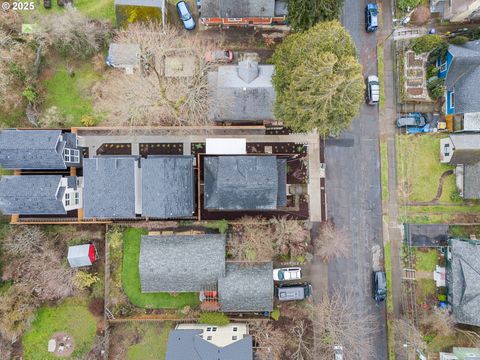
[(81, 255)]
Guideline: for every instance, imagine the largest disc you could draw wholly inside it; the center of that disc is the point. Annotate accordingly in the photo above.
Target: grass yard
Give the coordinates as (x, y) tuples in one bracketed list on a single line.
[(425, 260), (425, 290), (153, 346), (72, 317), (381, 73), (384, 170), (131, 279), (70, 94), (464, 231), (419, 168)]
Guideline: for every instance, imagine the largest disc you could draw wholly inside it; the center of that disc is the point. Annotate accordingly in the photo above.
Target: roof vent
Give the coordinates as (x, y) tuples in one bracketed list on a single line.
[(248, 70)]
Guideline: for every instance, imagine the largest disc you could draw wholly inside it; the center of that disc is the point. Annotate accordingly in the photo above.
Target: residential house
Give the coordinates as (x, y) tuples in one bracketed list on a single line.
[(243, 12), (241, 93), (456, 10), (461, 70), (245, 182), (124, 56), (40, 194), (463, 280), (463, 151), (461, 353), (39, 150), (128, 11), (206, 342), (196, 263)]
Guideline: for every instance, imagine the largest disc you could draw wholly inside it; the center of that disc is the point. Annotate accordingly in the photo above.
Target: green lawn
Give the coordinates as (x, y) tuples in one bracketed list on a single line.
[(384, 170), (131, 279), (464, 231), (388, 273), (70, 317), (419, 166), (425, 260), (70, 94), (381, 74), (153, 345), (425, 290)]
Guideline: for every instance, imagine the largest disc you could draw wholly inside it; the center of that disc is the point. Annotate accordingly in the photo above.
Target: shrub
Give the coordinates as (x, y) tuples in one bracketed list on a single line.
[(426, 43), (476, 34), (455, 196), (17, 71), (432, 71), (84, 280), (214, 318), (89, 121), (408, 4), (275, 315), (458, 40), (440, 52), (436, 87), (30, 94)]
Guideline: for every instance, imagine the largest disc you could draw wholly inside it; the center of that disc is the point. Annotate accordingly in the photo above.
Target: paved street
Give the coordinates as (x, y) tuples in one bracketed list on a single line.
[(353, 187)]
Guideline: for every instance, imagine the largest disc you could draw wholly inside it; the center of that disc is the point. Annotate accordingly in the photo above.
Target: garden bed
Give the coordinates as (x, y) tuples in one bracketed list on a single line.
[(276, 148), (161, 149), (197, 148), (115, 149), (297, 172)]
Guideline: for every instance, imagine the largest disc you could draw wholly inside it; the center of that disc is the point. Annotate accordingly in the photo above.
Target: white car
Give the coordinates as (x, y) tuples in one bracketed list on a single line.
[(373, 90), (285, 274), (338, 352)]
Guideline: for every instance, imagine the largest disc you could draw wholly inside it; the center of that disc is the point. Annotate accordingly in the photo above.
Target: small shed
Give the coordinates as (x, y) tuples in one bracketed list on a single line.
[(81, 255), (229, 146)]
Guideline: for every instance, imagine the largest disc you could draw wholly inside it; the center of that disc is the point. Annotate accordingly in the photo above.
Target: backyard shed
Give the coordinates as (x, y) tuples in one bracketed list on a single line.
[(81, 255)]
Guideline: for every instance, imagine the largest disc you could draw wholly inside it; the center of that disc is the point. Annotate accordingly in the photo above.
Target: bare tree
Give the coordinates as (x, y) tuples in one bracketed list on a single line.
[(290, 236), (338, 320), (252, 240), (407, 338), (170, 89), (303, 345), (24, 240), (332, 242), (439, 322), (270, 340)]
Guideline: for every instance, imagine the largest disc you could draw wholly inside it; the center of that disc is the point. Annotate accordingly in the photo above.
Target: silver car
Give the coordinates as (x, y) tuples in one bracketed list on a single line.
[(373, 90)]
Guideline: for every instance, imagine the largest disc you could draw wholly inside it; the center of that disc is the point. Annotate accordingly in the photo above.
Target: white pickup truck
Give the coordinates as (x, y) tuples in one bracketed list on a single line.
[(285, 274)]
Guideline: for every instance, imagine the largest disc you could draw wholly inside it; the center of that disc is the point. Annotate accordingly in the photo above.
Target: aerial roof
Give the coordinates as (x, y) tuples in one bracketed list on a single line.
[(471, 181), (109, 187), (246, 287), (32, 195), (244, 182), (31, 149), (167, 186), (181, 263), (123, 55), (187, 344), (466, 148), (237, 9), (464, 281)]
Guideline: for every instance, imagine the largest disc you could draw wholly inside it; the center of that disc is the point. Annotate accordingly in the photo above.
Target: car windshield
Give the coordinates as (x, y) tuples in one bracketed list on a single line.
[(280, 275), (185, 15), (227, 53)]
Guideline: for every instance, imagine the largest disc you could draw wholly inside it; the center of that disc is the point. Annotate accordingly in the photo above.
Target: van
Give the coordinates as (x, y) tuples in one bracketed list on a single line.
[(293, 292)]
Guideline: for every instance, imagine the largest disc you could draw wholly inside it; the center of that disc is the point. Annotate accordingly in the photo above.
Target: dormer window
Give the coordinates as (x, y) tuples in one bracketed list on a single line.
[(71, 155)]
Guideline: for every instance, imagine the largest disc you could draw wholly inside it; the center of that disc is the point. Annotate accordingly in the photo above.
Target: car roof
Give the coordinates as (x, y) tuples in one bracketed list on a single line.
[(381, 280), (372, 78)]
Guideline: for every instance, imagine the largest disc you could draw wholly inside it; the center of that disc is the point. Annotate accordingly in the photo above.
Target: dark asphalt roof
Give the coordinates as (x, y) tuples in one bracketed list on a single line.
[(471, 181), (237, 8), (466, 148), (167, 186), (109, 187), (31, 195), (244, 182), (188, 345), (464, 75), (464, 281), (246, 287), (31, 149), (180, 263), (426, 235)]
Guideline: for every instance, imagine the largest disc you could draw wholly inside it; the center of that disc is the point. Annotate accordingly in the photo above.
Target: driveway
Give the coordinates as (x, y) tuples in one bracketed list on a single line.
[(353, 188)]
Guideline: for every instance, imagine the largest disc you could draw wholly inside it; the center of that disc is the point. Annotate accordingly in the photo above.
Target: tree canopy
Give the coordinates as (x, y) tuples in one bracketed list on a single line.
[(318, 80), (303, 14)]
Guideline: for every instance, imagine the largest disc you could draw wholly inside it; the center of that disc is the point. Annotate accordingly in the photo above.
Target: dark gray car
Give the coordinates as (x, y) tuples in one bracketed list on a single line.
[(411, 120), (292, 292), (379, 286)]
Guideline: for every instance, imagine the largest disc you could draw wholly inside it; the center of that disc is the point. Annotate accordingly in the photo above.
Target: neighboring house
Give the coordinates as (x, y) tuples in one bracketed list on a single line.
[(463, 151), (220, 336), (40, 194), (461, 353), (124, 56), (196, 263), (39, 150), (245, 182), (463, 280), (456, 10), (241, 93), (128, 11), (192, 344), (129, 187), (461, 71), (243, 12)]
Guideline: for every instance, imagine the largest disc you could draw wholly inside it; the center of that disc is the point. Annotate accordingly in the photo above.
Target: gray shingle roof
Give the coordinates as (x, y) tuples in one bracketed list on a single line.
[(31, 195), (167, 186), (31, 149), (466, 148), (109, 187), (237, 8), (464, 281), (464, 75), (244, 182), (188, 345), (180, 263), (241, 92), (471, 181), (246, 287)]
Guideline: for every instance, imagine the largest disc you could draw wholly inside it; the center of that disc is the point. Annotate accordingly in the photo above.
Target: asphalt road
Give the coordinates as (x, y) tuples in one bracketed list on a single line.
[(353, 187)]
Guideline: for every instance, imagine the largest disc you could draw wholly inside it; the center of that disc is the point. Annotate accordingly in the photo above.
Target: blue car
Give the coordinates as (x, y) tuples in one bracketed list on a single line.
[(371, 17), (185, 15)]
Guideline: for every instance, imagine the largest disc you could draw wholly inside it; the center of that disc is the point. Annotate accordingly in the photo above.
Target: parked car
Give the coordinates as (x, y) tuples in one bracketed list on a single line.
[(219, 56), (373, 90), (338, 352), (285, 274), (379, 286), (47, 4), (290, 292), (185, 15), (371, 17), (198, 3), (411, 120)]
